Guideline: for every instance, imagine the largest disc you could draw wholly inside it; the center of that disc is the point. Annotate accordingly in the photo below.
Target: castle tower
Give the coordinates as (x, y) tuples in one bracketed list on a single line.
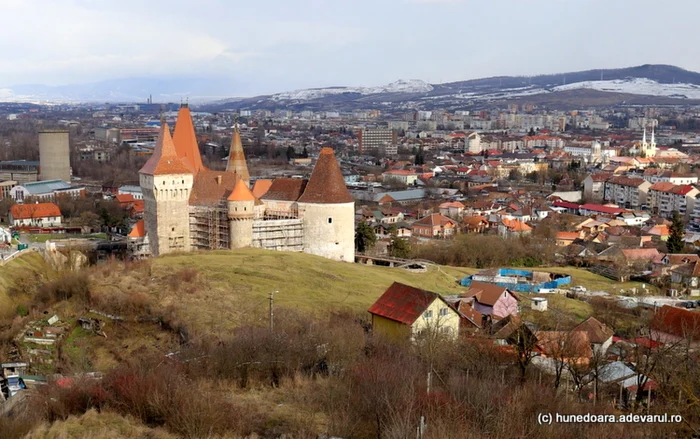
[(241, 205), (166, 182), (185, 140), (236, 158), (328, 211)]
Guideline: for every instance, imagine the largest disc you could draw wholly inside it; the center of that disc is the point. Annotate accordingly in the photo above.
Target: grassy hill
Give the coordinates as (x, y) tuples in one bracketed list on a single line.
[(22, 268), (219, 290)]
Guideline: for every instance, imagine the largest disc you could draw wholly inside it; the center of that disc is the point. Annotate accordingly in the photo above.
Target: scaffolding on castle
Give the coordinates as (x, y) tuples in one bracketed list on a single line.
[(209, 228), (279, 234), (281, 214)]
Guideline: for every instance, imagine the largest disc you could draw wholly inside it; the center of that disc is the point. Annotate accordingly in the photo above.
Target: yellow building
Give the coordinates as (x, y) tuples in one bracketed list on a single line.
[(405, 312)]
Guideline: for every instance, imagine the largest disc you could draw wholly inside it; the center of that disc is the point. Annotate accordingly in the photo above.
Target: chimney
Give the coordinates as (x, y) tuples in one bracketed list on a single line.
[(219, 178)]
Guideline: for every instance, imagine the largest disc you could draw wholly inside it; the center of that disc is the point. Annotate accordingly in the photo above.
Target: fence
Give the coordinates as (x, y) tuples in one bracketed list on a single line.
[(11, 256)]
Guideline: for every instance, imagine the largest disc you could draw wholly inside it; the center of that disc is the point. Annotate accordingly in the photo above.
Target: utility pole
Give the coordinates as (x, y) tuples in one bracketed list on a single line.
[(272, 312)]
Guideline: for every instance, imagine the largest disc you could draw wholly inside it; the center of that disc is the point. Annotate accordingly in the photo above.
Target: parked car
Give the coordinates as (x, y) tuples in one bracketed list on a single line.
[(578, 289)]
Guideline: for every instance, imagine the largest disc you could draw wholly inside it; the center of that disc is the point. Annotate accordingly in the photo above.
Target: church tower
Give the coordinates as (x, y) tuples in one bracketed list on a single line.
[(241, 205), (236, 158), (166, 181)]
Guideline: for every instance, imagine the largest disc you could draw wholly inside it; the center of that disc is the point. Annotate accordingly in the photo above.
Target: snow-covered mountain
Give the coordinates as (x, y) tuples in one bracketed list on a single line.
[(637, 86), (400, 86)]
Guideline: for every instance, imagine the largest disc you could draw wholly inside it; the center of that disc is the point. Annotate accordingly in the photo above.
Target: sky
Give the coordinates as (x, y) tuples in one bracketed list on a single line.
[(267, 46)]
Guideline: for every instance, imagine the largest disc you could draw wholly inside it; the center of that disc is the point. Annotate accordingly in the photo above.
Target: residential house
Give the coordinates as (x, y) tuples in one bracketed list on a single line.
[(671, 261), (672, 325), (658, 231), (688, 276), (434, 226), (492, 300), (599, 335), (35, 215), (452, 209), (404, 312), (571, 347), (511, 228), (474, 224), (666, 197), (590, 209), (630, 192), (567, 238)]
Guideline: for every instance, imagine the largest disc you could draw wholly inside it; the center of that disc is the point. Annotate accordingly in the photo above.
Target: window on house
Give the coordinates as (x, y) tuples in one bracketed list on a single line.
[(428, 314), (443, 312)]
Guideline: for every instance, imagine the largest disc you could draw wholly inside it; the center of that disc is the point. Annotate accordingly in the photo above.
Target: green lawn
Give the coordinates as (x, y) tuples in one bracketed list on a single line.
[(594, 282)]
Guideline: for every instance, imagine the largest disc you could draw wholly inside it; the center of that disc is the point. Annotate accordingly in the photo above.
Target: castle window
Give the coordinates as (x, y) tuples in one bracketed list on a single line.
[(173, 229), (330, 220)]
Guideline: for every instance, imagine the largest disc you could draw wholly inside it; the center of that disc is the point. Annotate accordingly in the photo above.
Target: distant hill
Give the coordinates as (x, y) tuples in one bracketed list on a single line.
[(661, 84), (645, 85)]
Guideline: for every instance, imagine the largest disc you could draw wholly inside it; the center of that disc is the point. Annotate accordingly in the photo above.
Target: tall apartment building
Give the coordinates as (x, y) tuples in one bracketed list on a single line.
[(379, 140), (665, 197), (627, 192)]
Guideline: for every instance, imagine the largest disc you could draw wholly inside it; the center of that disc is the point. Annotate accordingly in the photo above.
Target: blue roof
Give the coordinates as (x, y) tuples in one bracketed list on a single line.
[(411, 194), (45, 187)]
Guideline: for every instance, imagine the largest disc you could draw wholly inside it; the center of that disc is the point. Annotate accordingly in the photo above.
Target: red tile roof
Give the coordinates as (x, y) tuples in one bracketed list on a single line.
[(487, 294), (241, 192), (165, 159), (677, 321), (124, 198), (139, 230), (596, 330), (516, 225), (626, 181), (31, 211), (434, 220), (285, 189), (326, 184), (185, 140), (602, 209), (212, 187), (261, 187), (403, 303)]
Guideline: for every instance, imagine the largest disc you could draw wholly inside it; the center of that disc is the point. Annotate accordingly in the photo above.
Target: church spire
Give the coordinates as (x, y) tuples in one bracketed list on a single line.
[(236, 158), (644, 137), (652, 135)]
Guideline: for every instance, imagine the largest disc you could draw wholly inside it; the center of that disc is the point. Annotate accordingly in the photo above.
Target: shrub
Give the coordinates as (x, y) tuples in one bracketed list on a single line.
[(70, 286), (22, 310)]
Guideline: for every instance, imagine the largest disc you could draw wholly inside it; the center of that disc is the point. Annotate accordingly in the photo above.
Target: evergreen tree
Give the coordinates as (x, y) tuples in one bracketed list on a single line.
[(399, 248), (365, 238), (305, 153), (290, 152), (420, 159), (675, 240)]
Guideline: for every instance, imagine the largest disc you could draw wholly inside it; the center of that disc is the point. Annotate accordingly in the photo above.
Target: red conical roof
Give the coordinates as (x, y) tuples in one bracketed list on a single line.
[(241, 192), (326, 184), (164, 159), (236, 158), (186, 140)]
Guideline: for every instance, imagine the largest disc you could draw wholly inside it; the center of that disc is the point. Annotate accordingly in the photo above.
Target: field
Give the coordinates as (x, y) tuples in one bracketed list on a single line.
[(43, 237)]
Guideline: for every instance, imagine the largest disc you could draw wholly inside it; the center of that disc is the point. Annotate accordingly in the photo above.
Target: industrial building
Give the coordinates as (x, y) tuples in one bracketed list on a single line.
[(54, 155), (21, 171)]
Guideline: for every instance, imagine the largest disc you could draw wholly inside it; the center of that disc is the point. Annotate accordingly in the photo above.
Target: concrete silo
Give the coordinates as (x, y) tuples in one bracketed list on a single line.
[(54, 155)]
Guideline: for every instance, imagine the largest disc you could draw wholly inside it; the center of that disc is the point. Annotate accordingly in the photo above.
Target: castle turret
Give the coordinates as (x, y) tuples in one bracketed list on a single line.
[(241, 212), (236, 158), (185, 140), (328, 211), (166, 182)]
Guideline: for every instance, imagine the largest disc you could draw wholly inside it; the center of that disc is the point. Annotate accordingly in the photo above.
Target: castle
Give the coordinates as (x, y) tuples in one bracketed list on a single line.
[(189, 207)]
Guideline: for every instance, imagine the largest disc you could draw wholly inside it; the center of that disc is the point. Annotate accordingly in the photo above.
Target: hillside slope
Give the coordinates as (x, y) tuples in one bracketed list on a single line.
[(219, 290)]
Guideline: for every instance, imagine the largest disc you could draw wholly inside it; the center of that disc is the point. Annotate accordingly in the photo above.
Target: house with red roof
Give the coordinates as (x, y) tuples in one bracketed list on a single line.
[(434, 226), (492, 300), (35, 215), (510, 228), (405, 312), (673, 325)]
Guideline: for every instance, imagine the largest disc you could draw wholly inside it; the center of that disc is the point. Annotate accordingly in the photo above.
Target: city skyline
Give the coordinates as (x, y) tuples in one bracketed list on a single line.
[(277, 46)]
